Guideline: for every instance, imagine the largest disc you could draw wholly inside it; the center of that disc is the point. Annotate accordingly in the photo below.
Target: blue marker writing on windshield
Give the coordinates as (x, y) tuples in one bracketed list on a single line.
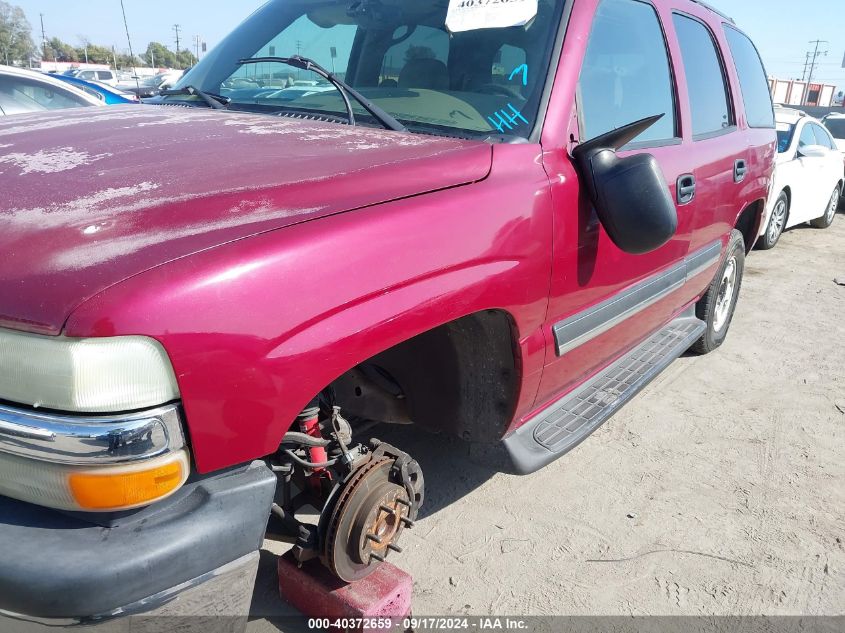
[(521, 69), (505, 119)]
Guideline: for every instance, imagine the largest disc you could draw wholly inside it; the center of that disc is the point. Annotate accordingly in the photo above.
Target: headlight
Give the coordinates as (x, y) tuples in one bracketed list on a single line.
[(98, 375), (91, 463)]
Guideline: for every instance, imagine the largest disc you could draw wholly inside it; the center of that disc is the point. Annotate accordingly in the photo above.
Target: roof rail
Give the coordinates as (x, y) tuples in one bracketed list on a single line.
[(714, 10)]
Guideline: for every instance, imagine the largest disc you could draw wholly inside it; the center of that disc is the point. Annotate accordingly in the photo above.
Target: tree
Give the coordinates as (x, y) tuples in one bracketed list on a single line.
[(16, 45), (100, 54), (185, 59), (60, 51), (160, 56)]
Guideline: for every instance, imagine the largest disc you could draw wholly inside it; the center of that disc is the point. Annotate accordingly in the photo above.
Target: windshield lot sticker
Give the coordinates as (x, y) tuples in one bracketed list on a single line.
[(507, 120), (472, 15)]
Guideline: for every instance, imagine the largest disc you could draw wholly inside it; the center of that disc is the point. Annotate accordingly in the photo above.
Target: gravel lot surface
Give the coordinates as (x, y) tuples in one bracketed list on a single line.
[(720, 490)]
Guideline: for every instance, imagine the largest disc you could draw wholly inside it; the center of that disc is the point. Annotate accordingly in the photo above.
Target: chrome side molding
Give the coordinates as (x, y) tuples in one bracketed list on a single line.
[(90, 440), (583, 327)]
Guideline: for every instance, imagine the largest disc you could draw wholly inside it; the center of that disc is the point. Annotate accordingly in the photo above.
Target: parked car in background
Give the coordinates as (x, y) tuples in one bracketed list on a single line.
[(103, 92), (23, 91), (809, 177), (502, 243), (835, 124), (108, 77), (151, 86)]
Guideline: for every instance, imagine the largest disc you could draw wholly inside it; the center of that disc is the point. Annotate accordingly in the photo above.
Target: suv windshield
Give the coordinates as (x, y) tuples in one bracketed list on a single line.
[(399, 54)]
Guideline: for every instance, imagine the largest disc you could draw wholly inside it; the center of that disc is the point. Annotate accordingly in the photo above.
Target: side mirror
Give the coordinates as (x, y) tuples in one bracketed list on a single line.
[(813, 151), (630, 194)]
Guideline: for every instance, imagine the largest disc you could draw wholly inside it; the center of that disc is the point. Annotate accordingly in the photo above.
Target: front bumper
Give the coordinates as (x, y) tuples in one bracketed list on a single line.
[(187, 555)]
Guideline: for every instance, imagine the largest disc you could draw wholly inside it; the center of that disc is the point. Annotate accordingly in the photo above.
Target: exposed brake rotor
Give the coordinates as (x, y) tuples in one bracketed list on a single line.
[(375, 504)]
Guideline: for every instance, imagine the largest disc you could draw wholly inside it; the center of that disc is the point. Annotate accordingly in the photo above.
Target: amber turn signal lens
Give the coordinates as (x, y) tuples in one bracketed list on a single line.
[(130, 486)]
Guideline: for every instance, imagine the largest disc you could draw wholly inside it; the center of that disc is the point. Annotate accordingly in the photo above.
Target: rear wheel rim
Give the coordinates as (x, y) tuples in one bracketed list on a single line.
[(725, 298), (778, 221), (834, 204)]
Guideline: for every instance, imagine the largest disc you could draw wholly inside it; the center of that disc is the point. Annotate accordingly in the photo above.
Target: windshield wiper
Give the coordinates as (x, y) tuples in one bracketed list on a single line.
[(217, 102), (304, 63)]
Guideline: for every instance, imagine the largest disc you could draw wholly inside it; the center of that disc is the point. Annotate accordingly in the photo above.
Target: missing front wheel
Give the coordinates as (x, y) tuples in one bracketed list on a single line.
[(366, 495)]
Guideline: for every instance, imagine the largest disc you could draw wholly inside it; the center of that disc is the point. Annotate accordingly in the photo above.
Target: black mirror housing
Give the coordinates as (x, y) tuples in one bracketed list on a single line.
[(630, 194)]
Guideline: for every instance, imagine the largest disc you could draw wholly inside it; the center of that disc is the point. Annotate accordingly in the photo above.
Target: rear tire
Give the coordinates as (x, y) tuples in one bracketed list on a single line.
[(829, 213), (777, 223), (717, 307)]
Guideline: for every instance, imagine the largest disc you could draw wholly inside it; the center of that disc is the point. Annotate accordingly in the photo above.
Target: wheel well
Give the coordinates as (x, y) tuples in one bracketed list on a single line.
[(459, 378), (749, 222)]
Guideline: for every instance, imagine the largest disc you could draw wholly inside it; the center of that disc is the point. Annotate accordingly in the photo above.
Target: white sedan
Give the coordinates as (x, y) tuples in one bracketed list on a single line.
[(809, 177)]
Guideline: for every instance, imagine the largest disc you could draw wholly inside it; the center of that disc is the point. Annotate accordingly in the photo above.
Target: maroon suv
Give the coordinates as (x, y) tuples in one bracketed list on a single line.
[(494, 221)]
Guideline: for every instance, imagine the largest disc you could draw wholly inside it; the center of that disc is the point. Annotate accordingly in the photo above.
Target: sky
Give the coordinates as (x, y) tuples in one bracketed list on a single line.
[(782, 29)]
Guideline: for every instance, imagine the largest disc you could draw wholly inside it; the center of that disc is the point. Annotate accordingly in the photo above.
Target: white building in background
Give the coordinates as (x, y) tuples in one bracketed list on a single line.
[(793, 92)]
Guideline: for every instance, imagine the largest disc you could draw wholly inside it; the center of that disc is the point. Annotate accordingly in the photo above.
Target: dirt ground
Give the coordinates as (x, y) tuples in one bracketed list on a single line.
[(720, 490)]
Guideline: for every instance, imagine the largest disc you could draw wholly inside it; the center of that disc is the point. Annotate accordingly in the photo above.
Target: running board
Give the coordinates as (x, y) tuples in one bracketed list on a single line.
[(569, 421)]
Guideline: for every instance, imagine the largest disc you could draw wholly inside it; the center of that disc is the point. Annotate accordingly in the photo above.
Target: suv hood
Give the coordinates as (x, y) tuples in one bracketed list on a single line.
[(91, 198)]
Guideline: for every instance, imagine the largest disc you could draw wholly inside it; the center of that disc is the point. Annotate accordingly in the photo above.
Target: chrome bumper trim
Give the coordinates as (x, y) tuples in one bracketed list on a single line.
[(90, 440)]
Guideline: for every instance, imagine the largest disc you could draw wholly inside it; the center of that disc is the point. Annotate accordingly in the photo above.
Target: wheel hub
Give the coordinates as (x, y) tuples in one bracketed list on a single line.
[(372, 508), (377, 532), (834, 204), (778, 220), (726, 296)]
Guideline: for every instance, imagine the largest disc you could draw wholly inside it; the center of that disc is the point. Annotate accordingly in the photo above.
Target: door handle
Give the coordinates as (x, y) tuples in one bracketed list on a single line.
[(686, 189), (740, 170)]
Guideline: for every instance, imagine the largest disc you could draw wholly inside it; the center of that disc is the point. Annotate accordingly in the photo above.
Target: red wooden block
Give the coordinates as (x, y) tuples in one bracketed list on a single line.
[(317, 594)]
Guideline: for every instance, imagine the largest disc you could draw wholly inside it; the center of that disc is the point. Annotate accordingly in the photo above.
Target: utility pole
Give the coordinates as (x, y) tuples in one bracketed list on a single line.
[(197, 40), (816, 54), (806, 65), (177, 28), (43, 37)]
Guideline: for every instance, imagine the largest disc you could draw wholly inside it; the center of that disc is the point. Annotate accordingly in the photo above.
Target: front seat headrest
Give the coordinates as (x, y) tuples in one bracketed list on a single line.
[(430, 74)]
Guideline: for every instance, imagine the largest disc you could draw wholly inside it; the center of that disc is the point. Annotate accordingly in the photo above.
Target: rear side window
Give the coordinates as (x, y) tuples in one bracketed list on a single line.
[(626, 75), (105, 75), (708, 90), (822, 137), (752, 80), (807, 137)]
